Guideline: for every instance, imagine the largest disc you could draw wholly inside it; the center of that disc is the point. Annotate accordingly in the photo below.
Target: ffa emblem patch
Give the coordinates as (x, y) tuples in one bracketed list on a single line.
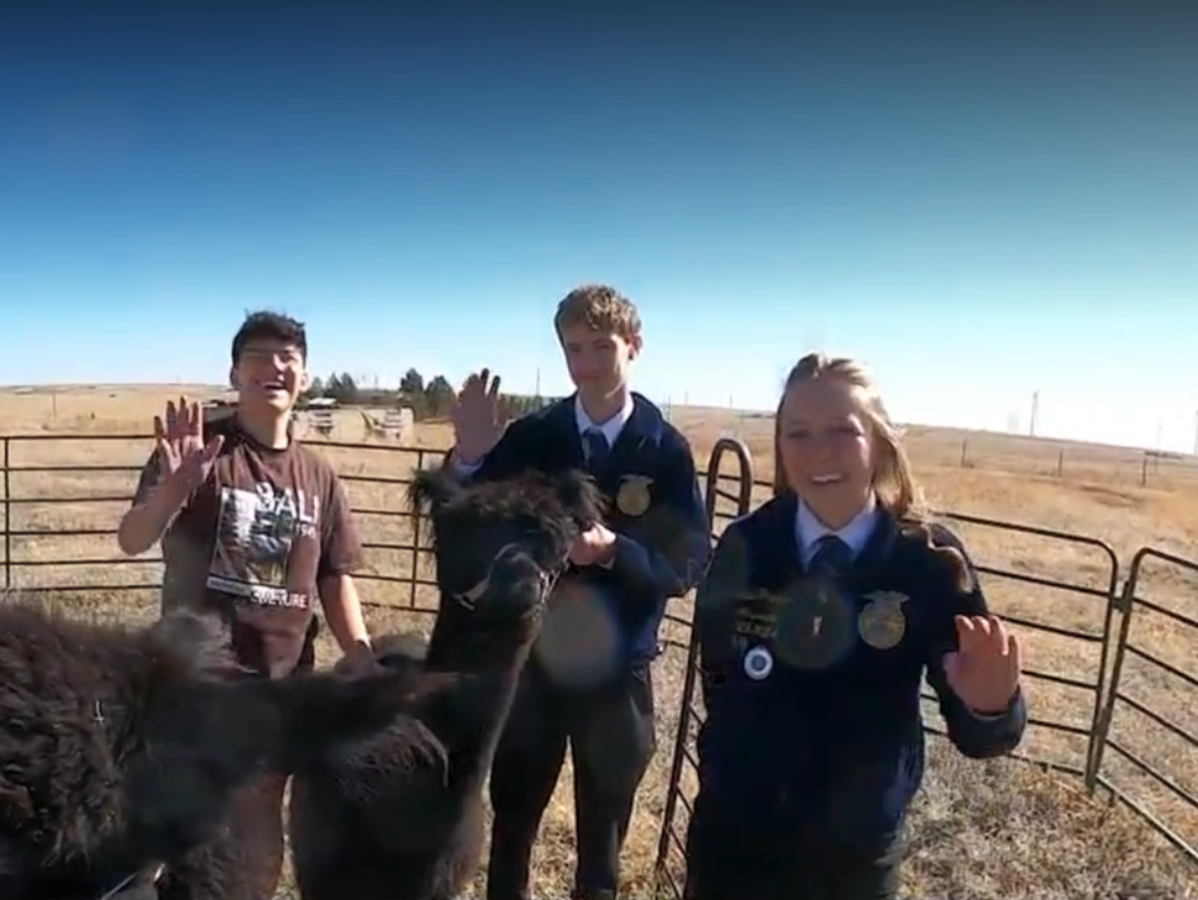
[(633, 497), (883, 623), (758, 663)]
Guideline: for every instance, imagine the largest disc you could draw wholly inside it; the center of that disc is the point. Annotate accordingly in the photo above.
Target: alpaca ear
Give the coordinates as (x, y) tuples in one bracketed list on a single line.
[(580, 496), (431, 488)]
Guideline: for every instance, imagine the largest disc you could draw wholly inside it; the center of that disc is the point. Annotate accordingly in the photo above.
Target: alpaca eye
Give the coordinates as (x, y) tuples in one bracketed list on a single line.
[(507, 550), (471, 597)]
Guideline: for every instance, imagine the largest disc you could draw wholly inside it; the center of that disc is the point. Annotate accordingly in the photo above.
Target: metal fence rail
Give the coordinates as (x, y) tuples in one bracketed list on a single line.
[(424, 458), (682, 754), (727, 495)]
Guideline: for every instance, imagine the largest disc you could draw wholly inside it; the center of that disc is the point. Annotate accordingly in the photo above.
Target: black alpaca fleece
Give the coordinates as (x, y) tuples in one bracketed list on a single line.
[(121, 748), (400, 817)]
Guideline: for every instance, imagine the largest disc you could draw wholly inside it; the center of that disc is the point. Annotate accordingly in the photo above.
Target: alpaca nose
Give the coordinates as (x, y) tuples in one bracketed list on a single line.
[(516, 571)]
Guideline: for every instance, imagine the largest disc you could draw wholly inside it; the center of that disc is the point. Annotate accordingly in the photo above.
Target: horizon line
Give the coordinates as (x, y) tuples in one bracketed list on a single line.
[(62, 387)]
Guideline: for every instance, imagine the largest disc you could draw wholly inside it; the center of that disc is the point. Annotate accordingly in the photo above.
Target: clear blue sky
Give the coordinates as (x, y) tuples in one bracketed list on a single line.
[(977, 205)]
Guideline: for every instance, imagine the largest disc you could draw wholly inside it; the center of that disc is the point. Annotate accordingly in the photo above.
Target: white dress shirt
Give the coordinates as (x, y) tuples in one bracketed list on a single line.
[(809, 530), (611, 428)]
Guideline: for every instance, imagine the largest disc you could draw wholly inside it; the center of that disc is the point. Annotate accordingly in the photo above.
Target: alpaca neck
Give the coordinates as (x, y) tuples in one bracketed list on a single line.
[(478, 750)]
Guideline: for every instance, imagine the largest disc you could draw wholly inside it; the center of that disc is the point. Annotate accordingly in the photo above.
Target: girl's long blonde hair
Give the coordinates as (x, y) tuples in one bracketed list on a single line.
[(893, 481)]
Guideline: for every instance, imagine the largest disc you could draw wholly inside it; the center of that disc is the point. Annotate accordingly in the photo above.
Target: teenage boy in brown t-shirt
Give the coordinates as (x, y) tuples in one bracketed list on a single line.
[(254, 526)]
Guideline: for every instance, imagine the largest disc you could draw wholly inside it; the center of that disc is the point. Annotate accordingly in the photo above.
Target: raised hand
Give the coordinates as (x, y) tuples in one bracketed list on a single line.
[(477, 421), (184, 459), (984, 670)]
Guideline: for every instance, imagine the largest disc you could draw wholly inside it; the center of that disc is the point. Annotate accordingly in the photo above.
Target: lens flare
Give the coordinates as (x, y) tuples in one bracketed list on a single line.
[(579, 644)]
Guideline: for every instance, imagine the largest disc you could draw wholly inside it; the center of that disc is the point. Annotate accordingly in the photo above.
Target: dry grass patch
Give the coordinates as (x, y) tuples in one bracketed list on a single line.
[(1005, 829)]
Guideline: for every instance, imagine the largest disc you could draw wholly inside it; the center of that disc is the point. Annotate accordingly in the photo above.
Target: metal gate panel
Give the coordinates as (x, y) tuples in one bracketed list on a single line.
[(1152, 764), (683, 761), (1039, 585)]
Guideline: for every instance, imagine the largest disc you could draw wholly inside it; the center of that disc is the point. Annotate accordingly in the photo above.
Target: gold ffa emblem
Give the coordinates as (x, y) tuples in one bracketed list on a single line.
[(633, 497), (883, 623)]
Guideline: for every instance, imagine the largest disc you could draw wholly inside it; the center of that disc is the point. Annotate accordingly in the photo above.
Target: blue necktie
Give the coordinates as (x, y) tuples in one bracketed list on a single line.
[(832, 559), (817, 627), (595, 445)]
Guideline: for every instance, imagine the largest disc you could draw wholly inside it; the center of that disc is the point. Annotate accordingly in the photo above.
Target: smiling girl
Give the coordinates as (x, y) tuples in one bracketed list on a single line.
[(819, 615)]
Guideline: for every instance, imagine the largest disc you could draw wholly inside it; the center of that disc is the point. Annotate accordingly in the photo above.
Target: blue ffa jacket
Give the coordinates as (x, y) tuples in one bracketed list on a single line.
[(662, 548), (828, 736)]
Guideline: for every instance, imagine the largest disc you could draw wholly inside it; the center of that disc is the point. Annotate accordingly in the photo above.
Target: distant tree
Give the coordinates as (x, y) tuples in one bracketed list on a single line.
[(427, 399), (342, 388), (412, 383), (517, 405), (315, 389), (439, 395), (412, 394)]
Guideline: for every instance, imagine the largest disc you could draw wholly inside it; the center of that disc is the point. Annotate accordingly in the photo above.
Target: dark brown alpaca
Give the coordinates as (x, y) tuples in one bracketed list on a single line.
[(400, 817), (121, 748)]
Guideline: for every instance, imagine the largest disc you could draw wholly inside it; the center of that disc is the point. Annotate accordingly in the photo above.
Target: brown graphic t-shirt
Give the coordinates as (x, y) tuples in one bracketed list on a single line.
[(252, 543)]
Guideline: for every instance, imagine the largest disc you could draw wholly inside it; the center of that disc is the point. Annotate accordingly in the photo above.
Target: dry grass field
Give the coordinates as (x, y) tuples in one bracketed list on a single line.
[(1004, 829)]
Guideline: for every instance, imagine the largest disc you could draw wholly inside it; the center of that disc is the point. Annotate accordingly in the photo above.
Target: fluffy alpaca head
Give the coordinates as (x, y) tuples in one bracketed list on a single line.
[(499, 544)]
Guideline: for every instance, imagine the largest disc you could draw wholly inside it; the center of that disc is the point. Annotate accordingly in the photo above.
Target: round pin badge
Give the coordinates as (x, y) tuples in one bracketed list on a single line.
[(759, 662)]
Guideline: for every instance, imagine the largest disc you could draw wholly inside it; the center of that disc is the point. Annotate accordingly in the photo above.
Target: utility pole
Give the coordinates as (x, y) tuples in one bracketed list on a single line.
[(1035, 413), (1196, 434)]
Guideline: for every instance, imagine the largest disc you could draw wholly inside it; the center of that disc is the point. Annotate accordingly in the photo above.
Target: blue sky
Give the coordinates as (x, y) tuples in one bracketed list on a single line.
[(977, 205)]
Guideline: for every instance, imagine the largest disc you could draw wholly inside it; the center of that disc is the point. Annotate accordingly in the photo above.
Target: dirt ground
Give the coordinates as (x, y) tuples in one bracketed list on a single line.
[(981, 831)]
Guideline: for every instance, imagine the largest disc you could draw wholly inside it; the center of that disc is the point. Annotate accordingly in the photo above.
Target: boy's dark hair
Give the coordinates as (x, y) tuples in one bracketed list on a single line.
[(268, 325)]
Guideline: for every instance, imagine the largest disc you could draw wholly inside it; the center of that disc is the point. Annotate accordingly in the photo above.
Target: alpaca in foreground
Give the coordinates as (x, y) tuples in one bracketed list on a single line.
[(121, 748), (399, 816)]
